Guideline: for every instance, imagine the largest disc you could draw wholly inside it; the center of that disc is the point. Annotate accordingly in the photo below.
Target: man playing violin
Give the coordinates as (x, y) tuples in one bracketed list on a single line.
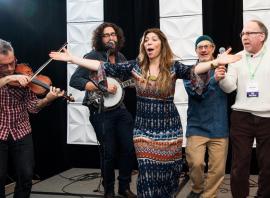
[(16, 100)]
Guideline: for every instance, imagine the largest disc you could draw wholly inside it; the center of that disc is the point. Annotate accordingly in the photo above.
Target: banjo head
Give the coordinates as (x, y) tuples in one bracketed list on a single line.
[(113, 99)]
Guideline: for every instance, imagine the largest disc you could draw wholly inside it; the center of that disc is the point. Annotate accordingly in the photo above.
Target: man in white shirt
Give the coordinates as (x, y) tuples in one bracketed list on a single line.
[(250, 117)]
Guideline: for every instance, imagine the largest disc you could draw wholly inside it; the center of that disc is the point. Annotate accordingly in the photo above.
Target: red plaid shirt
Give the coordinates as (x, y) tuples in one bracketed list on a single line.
[(15, 103)]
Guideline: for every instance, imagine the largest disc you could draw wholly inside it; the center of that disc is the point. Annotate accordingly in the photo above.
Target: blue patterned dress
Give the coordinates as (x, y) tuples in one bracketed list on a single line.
[(157, 133)]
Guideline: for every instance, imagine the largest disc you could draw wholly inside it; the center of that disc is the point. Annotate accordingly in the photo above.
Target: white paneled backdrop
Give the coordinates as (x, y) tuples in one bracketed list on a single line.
[(83, 16)]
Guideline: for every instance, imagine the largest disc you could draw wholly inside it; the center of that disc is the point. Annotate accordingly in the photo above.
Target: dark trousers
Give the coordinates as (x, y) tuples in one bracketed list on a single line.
[(21, 153), (244, 128), (114, 129)]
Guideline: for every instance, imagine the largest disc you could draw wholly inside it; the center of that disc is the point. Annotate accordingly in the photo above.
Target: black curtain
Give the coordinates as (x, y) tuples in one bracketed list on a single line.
[(223, 21), (134, 17), (35, 28)]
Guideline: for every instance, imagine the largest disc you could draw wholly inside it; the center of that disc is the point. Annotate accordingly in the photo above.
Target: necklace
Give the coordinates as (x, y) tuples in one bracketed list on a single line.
[(152, 77)]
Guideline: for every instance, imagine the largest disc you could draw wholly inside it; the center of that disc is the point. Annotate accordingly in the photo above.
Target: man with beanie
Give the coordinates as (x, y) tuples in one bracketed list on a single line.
[(207, 128)]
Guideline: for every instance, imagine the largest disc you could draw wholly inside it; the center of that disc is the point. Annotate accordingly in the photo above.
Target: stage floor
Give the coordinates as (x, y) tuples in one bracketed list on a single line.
[(78, 182)]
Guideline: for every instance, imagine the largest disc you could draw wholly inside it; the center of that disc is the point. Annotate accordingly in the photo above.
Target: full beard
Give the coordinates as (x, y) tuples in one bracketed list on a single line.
[(112, 48)]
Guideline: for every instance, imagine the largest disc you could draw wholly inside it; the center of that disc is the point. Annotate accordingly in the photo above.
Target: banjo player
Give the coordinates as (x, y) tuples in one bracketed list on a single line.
[(113, 126)]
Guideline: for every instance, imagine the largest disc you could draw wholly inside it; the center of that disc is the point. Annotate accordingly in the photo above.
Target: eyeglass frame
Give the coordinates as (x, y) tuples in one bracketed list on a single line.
[(107, 35), (249, 33), (206, 46)]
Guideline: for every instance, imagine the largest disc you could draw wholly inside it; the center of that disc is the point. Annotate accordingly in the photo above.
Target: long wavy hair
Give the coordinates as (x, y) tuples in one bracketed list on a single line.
[(164, 80), (97, 43)]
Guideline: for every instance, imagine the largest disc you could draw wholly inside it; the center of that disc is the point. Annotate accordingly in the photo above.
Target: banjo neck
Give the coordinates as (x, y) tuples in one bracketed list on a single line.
[(127, 83)]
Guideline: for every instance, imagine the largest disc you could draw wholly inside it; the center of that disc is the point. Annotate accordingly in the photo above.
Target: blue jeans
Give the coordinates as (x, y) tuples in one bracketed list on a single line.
[(114, 130), (21, 153)]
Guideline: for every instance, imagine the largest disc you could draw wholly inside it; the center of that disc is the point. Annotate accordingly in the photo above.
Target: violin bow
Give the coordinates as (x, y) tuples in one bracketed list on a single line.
[(46, 63)]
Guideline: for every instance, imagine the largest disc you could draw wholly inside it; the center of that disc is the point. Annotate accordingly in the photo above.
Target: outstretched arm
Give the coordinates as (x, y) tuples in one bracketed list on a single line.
[(117, 70), (223, 59), (68, 57)]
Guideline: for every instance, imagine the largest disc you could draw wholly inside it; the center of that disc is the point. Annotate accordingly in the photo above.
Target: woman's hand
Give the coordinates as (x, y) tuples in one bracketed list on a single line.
[(62, 56), (68, 57), (227, 58), (223, 59)]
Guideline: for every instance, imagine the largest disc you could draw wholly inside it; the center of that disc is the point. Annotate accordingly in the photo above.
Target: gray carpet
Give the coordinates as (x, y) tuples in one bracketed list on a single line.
[(78, 182)]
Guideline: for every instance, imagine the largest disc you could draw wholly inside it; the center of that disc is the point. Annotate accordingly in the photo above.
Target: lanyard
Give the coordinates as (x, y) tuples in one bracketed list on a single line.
[(252, 74)]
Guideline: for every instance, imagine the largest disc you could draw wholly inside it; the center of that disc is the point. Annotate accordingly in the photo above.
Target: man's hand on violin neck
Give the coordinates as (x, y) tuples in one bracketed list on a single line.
[(54, 93)]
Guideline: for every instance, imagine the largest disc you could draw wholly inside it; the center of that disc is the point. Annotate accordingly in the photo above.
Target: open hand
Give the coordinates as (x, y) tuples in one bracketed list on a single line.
[(61, 56), (226, 58)]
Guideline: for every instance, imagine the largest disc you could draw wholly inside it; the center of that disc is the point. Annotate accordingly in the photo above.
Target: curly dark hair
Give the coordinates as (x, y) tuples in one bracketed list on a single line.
[(97, 36)]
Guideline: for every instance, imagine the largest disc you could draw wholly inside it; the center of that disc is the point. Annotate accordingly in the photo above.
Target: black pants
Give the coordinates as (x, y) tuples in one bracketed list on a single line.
[(114, 129), (244, 127), (21, 153)]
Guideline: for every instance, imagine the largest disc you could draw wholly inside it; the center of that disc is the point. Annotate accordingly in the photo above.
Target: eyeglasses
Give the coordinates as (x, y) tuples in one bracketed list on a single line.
[(201, 47), (107, 35), (7, 64), (249, 33)]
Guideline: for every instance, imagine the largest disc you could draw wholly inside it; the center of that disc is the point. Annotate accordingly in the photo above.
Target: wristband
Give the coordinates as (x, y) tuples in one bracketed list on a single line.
[(214, 64)]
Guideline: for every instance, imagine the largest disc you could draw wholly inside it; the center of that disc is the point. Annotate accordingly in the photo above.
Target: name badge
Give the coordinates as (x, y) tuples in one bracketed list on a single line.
[(252, 89)]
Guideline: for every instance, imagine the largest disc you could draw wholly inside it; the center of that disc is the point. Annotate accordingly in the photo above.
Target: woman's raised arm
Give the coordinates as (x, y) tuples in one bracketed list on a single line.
[(68, 57), (223, 59)]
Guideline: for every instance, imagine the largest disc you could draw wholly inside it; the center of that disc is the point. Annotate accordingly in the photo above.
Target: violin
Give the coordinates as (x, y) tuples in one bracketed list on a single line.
[(40, 84)]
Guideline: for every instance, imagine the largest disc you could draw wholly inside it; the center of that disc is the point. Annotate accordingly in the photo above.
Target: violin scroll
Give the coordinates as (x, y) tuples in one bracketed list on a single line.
[(69, 97)]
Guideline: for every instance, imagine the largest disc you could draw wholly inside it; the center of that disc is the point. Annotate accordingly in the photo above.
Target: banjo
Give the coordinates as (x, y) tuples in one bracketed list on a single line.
[(111, 101)]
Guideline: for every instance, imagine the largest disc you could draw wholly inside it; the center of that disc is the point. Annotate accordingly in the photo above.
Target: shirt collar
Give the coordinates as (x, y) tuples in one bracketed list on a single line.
[(257, 54)]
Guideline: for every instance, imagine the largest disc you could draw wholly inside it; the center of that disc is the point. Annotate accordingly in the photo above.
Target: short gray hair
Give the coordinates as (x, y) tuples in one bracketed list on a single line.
[(5, 47), (262, 27)]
